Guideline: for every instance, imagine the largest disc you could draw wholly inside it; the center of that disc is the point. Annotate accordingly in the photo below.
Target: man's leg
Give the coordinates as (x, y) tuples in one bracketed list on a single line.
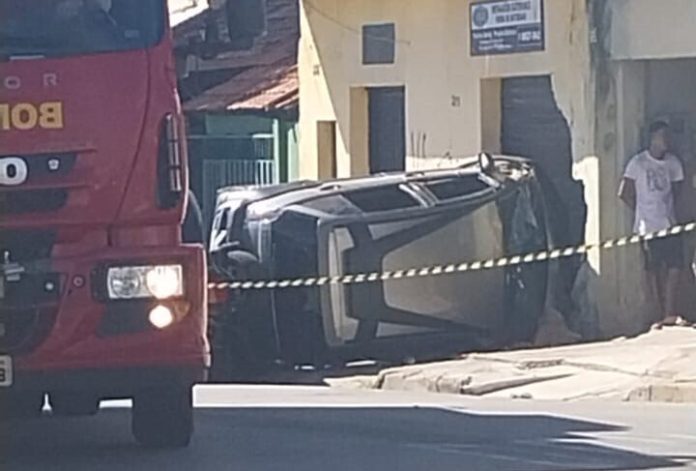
[(672, 254), (654, 279), (657, 278), (671, 290)]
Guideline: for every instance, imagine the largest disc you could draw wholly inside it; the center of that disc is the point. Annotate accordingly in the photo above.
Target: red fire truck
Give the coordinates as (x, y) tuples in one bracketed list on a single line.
[(100, 295)]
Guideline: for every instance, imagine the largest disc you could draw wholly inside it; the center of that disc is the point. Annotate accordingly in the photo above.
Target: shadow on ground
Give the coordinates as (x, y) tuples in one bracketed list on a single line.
[(352, 439)]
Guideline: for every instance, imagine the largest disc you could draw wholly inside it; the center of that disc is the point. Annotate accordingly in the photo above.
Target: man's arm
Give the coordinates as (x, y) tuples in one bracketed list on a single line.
[(677, 188), (677, 180), (627, 192)]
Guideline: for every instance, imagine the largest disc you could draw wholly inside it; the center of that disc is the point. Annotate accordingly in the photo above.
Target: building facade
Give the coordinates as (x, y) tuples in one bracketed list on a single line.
[(414, 84)]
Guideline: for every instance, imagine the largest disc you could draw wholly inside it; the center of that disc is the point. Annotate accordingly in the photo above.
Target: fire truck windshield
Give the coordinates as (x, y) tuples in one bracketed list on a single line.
[(58, 28)]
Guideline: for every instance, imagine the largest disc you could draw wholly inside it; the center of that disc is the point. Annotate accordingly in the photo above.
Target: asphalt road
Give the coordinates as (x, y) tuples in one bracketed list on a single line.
[(295, 428)]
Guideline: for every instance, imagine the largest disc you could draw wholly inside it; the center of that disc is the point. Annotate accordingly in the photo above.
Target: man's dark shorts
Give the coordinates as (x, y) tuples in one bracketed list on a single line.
[(664, 253)]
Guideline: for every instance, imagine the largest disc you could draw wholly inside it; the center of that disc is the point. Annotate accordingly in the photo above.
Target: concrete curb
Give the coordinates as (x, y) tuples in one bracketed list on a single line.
[(656, 367)]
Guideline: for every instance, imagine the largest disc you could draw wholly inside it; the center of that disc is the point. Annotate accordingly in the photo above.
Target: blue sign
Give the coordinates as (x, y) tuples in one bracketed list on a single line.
[(507, 27)]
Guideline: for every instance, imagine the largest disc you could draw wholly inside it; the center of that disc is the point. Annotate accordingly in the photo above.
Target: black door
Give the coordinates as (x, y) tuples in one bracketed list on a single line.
[(387, 129)]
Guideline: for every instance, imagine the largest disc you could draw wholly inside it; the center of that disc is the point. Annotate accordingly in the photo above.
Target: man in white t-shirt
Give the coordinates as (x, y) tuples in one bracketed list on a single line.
[(650, 187)]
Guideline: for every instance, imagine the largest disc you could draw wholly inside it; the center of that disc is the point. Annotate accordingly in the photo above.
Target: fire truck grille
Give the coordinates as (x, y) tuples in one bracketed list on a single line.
[(26, 245), (28, 304), (46, 170), (39, 201), (23, 330), (29, 290)]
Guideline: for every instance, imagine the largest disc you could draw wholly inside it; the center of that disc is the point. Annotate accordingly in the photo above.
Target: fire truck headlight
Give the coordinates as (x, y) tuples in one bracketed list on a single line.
[(157, 281), (161, 317), (165, 282)]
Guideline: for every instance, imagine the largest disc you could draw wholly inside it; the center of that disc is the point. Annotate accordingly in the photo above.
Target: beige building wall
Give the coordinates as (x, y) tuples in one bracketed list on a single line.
[(443, 82)]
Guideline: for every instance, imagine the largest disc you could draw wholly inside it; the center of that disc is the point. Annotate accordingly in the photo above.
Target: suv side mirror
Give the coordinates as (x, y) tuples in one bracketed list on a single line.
[(246, 21)]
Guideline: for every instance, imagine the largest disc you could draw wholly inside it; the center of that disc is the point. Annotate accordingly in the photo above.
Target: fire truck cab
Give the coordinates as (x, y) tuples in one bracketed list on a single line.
[(100, 295)]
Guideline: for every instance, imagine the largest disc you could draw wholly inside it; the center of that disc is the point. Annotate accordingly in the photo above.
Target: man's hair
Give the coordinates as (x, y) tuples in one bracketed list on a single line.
[(658, 126)]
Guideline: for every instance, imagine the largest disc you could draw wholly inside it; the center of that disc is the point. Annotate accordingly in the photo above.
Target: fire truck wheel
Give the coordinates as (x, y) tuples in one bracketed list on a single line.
[(68, 404), (163, 418)]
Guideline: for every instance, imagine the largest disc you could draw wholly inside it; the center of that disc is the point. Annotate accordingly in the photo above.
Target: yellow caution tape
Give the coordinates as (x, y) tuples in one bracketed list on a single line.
[(439, 270)]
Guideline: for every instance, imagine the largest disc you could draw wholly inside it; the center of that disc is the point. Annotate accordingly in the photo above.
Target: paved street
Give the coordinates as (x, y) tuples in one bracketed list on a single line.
[(254, 428)]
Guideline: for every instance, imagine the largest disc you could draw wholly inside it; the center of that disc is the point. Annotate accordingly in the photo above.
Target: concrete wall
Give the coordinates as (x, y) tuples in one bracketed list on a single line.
[(650, 29), (639, 79)]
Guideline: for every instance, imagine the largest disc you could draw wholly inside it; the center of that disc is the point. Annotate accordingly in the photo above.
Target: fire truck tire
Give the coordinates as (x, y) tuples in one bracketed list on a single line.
[(163, 418), (67, 404)]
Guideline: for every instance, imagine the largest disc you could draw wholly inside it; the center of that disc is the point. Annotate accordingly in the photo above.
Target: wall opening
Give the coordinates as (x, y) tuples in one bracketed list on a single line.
[(670, 96), (379, 44), (387, 129), (359, 144), (491, 115), (533, 126), (326, 150)]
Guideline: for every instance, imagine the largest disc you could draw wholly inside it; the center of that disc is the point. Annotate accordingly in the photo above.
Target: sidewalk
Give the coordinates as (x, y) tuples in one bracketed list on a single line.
[(659, 366)]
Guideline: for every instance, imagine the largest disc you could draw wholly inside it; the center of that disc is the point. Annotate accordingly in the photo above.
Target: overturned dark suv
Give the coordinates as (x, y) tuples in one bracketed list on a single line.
[(488, 208)]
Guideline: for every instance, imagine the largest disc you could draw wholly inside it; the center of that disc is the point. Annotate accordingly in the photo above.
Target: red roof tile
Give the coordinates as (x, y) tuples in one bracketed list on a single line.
[(263, 88), (268, 79)]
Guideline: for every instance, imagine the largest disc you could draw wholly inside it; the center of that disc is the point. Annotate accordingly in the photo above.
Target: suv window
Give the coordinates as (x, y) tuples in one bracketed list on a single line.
[(456, 187), (381, 199)]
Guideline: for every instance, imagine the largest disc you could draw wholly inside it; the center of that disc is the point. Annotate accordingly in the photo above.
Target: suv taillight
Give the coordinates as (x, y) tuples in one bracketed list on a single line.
[(170, 171)]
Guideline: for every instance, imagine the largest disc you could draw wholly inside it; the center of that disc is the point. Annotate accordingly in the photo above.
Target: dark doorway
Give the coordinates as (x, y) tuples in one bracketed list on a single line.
[(534, 127), (387, 112)]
